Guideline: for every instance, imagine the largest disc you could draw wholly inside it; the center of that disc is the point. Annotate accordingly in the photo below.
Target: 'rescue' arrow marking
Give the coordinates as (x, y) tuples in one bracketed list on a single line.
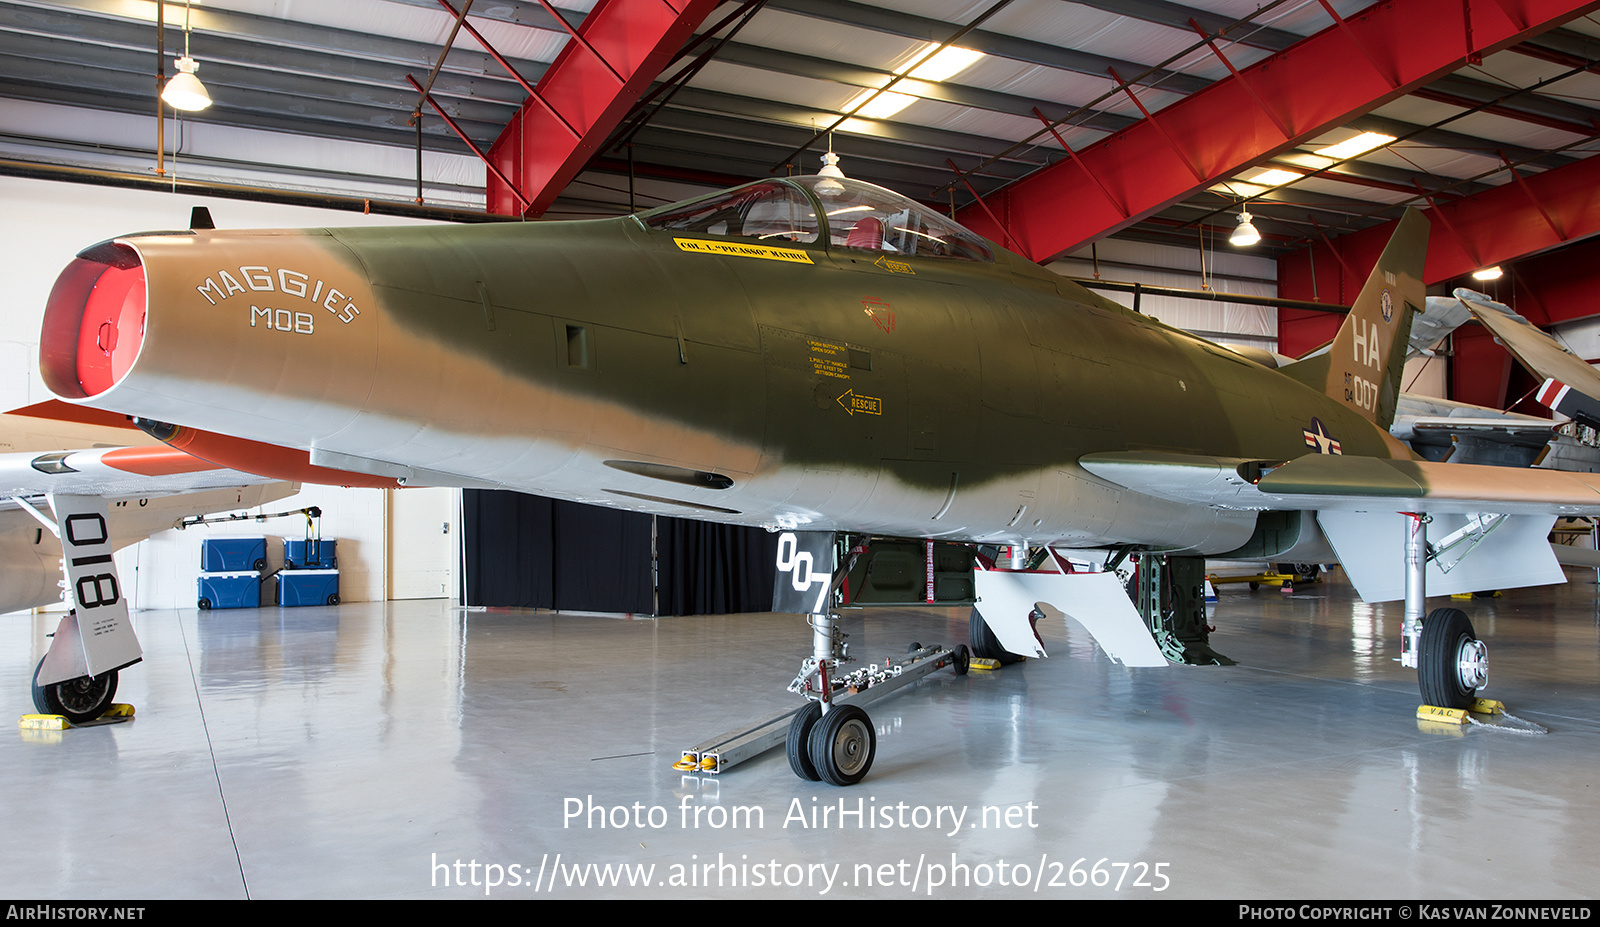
[(867, 404)]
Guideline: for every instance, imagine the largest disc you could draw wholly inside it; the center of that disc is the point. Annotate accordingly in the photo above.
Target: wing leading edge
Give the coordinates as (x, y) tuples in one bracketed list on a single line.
[(1494, 517)]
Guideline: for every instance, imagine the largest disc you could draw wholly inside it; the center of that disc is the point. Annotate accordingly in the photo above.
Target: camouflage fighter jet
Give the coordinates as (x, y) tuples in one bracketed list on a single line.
[(814, 354)]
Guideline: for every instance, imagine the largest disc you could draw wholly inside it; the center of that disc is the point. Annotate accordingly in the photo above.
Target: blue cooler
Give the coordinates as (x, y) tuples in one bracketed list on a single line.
[(230, 590), (308, 587), (312, 554), (233, 555)]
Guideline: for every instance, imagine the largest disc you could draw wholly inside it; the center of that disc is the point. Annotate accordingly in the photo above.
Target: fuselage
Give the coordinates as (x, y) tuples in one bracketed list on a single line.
[(659, 365)]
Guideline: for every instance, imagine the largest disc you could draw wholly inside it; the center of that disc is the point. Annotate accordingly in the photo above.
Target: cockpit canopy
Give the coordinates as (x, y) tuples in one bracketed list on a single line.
[(855, 215)]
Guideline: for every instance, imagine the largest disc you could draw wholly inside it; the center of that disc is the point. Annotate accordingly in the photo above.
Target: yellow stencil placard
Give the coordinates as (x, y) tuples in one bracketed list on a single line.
[(736, 249)]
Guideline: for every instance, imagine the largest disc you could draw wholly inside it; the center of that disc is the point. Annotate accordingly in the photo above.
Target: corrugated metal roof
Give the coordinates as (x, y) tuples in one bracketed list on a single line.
[(76, 87)]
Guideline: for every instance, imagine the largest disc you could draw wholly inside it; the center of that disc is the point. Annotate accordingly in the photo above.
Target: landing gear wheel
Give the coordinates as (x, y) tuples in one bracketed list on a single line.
[(1452, 664), (842, 745), (78, 700), (799, 742), (984, 644)]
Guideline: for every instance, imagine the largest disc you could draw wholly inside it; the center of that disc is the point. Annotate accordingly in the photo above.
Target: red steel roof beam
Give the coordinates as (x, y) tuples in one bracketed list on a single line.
[(1319, 83), (615, 55)]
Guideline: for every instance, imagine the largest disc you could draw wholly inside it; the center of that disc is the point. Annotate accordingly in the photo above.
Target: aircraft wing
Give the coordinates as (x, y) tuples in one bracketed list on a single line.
[(115, 471), (1572, 385), (1497, 520), (1320, 482), (1531, 347), (145, 489)]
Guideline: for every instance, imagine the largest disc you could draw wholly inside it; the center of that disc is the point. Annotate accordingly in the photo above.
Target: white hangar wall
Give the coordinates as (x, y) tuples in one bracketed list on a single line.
[(1226, 270), (49, 222)]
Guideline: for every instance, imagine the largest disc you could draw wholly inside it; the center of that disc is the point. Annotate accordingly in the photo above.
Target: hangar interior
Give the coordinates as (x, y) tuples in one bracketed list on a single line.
[(345, 751)]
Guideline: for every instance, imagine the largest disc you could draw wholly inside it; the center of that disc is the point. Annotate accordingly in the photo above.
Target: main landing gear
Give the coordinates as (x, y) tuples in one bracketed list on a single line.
[(1451, 663)]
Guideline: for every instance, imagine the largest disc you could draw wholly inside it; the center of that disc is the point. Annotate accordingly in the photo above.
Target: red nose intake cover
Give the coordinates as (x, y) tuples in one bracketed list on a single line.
[(94, 322)]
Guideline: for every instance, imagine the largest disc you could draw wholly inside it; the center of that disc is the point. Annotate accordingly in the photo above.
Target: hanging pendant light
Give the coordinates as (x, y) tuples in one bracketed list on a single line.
[(830, 186), (184, 91), (1245, 235)]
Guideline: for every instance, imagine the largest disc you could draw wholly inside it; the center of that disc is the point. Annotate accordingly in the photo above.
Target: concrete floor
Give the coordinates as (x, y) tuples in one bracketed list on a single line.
[(365, 750)]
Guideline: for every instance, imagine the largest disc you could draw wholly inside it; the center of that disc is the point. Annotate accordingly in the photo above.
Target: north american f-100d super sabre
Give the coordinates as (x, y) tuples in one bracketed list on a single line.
[(816, 354)]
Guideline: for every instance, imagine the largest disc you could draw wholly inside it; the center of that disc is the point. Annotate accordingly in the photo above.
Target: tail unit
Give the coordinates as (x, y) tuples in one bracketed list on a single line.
[(1363, 365)]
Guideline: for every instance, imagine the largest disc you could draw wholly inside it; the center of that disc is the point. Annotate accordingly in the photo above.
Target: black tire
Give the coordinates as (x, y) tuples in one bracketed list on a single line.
[(261, 564), (963, 658), (843, 744), (914, 647), (333, 599), (205, 604), (799, 742), (984, 644), (1446, 632), (78, 700), (1307, 572)]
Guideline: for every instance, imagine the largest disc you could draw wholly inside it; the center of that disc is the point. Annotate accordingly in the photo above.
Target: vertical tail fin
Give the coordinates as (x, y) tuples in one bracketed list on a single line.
[(1364, 363)]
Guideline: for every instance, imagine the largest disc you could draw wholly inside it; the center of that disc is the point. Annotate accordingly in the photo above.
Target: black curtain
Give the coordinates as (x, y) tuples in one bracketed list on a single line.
[(708, 569), (602, 559), (510, 549), (531, 552)]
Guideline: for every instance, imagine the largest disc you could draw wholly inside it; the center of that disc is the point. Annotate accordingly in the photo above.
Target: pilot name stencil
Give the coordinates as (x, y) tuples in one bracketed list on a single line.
[(764, 252)]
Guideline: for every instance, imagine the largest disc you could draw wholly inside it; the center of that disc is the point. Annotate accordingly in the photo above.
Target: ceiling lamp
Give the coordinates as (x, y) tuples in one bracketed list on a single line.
[(1273, 178), (1351, 147), (829, 185), (926, 65), (1488, 273), (184, 91), (1245, 235)]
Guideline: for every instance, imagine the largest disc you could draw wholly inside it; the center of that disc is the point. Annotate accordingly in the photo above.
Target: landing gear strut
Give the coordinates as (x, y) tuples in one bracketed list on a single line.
[(829, 742), (1451, 663)]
